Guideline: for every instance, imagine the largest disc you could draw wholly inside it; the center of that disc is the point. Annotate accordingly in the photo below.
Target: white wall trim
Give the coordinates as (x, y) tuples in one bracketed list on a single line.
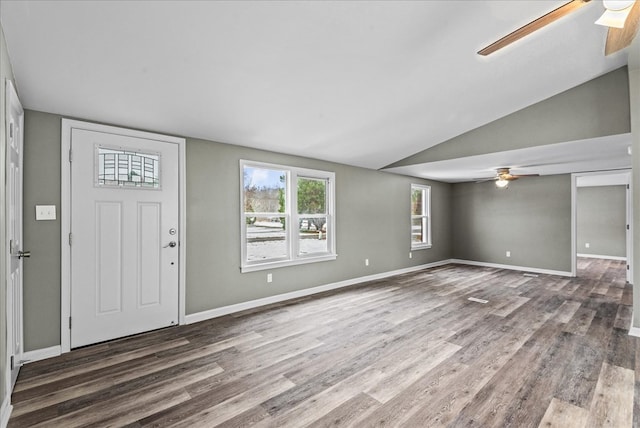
[(599, 256), (65, 217), (238, 307), (634, 331), (5, 411), (510, 267), (41, 354)]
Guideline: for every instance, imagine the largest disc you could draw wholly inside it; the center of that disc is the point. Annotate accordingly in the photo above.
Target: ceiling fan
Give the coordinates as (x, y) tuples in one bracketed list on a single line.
[(503, 177), (621, 16)]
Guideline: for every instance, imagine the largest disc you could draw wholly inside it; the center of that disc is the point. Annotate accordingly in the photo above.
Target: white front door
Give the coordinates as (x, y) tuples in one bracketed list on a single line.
[(14, 123), (124, 235)]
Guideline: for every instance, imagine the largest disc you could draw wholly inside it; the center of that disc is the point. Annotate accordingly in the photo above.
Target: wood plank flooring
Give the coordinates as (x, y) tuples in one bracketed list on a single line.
[(410, 350)]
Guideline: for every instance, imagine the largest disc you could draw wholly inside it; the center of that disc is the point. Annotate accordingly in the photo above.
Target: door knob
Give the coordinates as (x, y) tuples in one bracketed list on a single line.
[(24, 254), (170, 244)]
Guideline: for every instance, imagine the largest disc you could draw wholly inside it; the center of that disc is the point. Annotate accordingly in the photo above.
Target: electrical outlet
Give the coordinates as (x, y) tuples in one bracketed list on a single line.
[(508, 253), (587, 245), (366, 262), (269, 277), (410, 255)]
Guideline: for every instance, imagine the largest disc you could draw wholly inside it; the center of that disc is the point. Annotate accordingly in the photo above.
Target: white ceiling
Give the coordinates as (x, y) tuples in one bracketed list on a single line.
[(361, 83), (595, 154)]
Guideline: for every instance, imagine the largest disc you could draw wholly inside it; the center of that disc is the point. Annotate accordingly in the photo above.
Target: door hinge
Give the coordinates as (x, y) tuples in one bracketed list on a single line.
[(627, 227), (627, 267), (13, 362), (70, 155), (628, 187), (70, 238), (69, 323), (11, 130)]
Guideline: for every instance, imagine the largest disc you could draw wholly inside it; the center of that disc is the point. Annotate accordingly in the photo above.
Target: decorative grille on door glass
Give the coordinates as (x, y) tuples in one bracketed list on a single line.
[(122, 167)]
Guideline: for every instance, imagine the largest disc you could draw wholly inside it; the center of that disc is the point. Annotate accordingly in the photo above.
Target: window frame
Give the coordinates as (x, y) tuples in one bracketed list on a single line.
[(292, 218), (425, 217)]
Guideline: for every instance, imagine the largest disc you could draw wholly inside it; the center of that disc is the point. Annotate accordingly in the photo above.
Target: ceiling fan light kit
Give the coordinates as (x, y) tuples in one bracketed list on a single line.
[(616, 13), (502, 183), (503, 177)]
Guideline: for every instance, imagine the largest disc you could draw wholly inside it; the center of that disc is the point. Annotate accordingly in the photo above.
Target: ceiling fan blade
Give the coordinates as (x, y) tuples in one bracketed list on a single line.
[(525, 175), (483, 180), (525, 30), (620, 38)]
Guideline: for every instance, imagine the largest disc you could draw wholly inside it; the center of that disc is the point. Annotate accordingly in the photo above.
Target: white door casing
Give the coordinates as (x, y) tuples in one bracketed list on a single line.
[(14, 128), (124, 275)]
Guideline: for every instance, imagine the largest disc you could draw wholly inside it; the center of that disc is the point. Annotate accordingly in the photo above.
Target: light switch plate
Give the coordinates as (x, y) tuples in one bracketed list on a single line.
[(45, 212)]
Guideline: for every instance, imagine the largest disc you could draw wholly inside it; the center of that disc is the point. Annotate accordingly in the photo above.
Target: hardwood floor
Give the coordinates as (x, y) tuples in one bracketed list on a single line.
[(411, 351)]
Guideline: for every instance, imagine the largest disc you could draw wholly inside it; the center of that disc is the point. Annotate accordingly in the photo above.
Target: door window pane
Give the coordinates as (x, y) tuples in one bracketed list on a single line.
[(127, 168)]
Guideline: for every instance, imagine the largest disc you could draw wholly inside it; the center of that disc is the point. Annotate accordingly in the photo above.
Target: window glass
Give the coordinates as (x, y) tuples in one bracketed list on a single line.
[(127, 168), (312, 196), (287, 216), (420, 216), (265, 213)]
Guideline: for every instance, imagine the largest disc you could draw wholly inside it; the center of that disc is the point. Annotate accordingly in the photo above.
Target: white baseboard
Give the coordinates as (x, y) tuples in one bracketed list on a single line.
[(598, 256), (510, 267), (238, 307), (41, 354), (5, 411), (634, 331)]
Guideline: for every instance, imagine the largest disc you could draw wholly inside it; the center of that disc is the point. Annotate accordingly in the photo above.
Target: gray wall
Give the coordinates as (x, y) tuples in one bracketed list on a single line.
[(602, 220), (532, 219), (372, 222), (596, 108), (372, 210), (42, 238), (5, 73)]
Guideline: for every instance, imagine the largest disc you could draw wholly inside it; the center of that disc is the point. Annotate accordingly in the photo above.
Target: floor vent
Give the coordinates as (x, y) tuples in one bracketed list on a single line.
[(531, 275), (474, 299)]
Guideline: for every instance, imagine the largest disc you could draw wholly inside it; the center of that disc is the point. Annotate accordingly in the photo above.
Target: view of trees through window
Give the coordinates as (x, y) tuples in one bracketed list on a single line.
[(269, 214), (265, 213), (312, 215)]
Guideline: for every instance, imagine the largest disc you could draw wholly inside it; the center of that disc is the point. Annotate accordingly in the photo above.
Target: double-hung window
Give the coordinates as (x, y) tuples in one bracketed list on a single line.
[(420, 216), (287, 215)]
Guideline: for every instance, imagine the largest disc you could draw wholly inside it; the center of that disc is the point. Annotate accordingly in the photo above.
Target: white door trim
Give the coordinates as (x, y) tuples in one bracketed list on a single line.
[(574, 217), (65, 215)]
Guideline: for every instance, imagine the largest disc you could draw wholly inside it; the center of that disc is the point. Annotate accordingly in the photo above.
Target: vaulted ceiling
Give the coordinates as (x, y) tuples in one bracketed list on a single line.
[(361, 83)]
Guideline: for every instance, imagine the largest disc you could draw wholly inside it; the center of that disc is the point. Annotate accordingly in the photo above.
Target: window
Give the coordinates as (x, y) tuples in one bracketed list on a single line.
[(287, 216), (420, 216), (127, 168)]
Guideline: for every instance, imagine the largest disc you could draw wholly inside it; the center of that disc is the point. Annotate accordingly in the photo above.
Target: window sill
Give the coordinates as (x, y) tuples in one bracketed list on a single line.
[(285, 263), (420, 247)]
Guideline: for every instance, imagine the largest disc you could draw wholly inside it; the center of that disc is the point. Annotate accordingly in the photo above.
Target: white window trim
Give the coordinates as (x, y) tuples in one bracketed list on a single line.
[(426, 216), (291, 213)]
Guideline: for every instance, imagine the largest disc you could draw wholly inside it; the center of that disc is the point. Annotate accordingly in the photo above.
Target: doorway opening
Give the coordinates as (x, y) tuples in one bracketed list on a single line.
[(602, 226)]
